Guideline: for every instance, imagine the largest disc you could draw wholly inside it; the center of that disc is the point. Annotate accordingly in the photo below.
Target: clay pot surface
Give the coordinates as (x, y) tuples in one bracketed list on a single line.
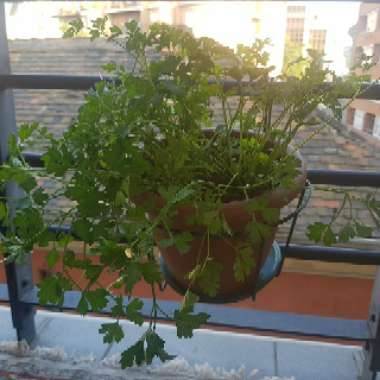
[(222, 248)]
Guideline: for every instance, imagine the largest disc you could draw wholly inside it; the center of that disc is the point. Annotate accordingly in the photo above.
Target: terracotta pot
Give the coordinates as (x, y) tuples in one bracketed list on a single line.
[(222, 248)]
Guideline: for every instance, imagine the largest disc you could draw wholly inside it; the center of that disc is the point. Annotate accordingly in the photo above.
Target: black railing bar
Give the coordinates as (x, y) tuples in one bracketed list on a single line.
[(353, 178), (302, 252), (238, 318), (316, 176), (84, 82), (332, 254), (50, 81)]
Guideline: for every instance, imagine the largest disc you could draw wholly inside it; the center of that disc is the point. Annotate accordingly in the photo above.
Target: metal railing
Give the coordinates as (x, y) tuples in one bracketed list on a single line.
[(21, 293)]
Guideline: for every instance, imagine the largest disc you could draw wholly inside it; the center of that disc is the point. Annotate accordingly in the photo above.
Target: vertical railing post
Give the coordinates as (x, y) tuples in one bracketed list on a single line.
[(371, 364), (19, 277)]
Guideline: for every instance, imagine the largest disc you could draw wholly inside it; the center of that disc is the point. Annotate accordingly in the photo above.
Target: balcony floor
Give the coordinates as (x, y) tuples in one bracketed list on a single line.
[(79, 353)]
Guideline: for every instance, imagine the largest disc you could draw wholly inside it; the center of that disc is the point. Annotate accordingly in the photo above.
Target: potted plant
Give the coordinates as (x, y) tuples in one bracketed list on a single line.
[(144, 165)]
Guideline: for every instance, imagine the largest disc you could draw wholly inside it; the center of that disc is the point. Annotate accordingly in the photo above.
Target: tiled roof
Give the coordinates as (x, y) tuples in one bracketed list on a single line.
[(336, 147)]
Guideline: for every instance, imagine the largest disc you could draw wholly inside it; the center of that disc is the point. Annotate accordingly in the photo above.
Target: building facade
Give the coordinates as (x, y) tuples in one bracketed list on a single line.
[(364, 115)]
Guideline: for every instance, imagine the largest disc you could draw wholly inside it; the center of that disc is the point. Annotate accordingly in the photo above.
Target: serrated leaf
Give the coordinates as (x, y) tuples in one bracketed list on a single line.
[(254, 232), (64, 241), (257, 204), (151, 272), (182, 240), (133, 355), (52, 258), (40, 197), (112, 332), (26, 130), (320, 232), (83, 228), (109, 67), (97, 299), (93, 272), (82, 306), (187, 322), (213, 221), (207, 276), (155, 347), (362, 230), (346, 233), (315, 231), (117, 310), (244, 263), (132, 276), (172, 195), (133, 313), (52, 290), (75, 26), (329, 236), (270, 215), (189, 300), (115, 30)]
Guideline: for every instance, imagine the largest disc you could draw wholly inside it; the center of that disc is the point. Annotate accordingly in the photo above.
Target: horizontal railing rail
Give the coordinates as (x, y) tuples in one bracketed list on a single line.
[(349, 178), (85, 82)]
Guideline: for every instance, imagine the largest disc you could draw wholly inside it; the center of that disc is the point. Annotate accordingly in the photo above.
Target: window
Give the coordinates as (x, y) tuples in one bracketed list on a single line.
[(369, 123), (317, 40), (372, 21), (368, 50), (295, 30), (299, 9)]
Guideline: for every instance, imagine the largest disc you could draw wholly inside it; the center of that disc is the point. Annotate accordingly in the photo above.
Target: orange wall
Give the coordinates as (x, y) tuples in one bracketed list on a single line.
[(342, 297)]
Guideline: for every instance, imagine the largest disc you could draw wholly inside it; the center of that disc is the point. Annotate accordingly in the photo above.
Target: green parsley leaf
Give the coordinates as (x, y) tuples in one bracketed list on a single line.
[(187, 322), (244, 263), (155, 347), (52, 290), (133, 355), (52, 258), (133, 311), (97, 299), (346, 233), (112, 332)]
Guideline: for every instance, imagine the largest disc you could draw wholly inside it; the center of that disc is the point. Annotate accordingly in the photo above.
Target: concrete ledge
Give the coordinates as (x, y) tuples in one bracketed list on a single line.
[(78, 338)]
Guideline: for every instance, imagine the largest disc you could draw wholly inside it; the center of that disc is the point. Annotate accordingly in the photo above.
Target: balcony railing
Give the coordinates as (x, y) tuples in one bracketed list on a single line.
[(21, 293)]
